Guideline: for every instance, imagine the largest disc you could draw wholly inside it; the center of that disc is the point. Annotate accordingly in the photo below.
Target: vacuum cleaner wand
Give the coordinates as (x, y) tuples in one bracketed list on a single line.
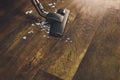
[(39, 8), (57, 21)]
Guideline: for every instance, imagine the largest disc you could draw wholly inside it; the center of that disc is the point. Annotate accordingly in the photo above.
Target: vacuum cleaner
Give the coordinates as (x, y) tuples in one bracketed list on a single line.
[(57, 20)]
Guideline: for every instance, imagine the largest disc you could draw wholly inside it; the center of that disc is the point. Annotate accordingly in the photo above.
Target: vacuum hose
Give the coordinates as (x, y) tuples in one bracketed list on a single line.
[(39, 8)]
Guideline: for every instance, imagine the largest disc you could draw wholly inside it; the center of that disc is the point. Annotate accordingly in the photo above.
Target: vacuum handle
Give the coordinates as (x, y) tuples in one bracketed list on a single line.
[(39, 8)]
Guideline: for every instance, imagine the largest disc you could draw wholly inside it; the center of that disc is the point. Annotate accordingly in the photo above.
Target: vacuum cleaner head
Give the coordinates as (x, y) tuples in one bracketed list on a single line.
[(57, 21)]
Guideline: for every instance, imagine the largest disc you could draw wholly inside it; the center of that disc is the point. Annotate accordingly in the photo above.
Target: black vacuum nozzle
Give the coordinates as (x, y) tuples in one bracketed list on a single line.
[(57, 21)]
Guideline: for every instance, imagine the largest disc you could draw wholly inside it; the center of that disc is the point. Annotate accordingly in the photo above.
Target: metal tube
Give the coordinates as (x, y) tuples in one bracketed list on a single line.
[(39, 8)]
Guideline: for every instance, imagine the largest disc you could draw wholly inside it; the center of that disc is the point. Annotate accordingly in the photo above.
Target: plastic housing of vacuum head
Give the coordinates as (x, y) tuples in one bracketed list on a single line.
[(57, 22)]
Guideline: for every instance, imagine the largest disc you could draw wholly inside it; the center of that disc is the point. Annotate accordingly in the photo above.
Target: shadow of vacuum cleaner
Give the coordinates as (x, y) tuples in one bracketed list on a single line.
[(57, 21)]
